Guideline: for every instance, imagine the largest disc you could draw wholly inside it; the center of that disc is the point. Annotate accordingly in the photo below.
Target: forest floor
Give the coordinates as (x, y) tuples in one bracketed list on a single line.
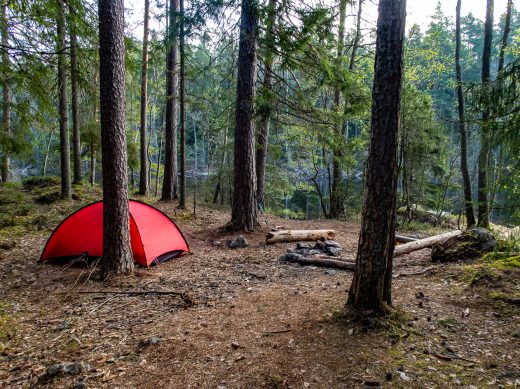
[(256, 322)]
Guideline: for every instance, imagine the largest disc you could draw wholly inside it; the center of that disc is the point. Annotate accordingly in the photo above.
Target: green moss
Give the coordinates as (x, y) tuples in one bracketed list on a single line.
[(40, 182), (501, 260), (9, 196), (503, 296), (48, 197)]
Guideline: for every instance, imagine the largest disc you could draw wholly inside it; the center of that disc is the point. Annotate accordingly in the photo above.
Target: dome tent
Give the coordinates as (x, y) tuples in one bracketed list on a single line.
[(154, 236)]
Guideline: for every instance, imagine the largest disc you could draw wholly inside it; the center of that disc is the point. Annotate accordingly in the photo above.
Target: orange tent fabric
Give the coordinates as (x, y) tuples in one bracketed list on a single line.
[(154, 236)]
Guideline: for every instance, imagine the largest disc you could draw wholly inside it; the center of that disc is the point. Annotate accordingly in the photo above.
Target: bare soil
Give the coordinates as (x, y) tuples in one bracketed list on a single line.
[(257, 322)]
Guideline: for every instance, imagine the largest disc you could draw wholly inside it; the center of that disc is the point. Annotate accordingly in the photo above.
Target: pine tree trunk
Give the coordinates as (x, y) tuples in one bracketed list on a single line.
[(117, 255), (337, 208), (485, 141), (357, 37), (93, 148), (468, 202), (219, 186), (143, 181), (47, 151), (63, 111), (169, 188), (265, 118), (158, 165), (182, 102), (76, 138), (505, 36), (371, 285), (244, 209), (6, 96)]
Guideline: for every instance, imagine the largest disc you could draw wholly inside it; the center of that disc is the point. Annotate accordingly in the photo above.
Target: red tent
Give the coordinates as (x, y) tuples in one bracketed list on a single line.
[(154, 236)]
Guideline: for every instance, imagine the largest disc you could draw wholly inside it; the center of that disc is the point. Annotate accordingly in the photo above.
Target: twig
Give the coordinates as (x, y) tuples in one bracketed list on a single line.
[(276, 332), (442, 356), (100, 305)]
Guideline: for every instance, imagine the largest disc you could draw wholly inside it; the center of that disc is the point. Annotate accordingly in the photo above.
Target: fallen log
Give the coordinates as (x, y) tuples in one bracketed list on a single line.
[(323, 262), (298, 235), (404, 239), (423, 243)]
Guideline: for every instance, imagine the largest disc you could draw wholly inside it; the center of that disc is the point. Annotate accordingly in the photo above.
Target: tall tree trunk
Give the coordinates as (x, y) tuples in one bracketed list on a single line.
[(357, 37), (371, 285), (501, 64), (485, 136), (47, 151), (158, 164), (76, 139), (117, 255), (93, 147), (6, 99), (169, 189), (337, 208), (244, 209), (505, 36), (64, 117), (468, 202), (219, 186), (182, 102), (143, 181), (265, 118)]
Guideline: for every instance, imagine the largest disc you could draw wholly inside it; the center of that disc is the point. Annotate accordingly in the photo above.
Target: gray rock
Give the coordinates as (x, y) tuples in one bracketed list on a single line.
[(315, 252), (331, 243), (470, 245), (319, 245), (67, 368), (302, 246), (333, 251), (153, 340), (217, 243), (79, 385), (291, 257), (238, 242)]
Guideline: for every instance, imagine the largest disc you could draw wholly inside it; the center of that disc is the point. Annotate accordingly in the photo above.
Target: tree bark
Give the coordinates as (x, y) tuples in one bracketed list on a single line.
[(265, 118), (244, 209), (117, 254), (298, 235), (357, 37), (324, 262), (143, 176), (371, 285), (219, 186), (337, 208), (62, 87), (169, 189), (76, 138), (466, 183), (182, 101), (47, 151), (483, 206), (505, 37), (424, 243), (158, 165), (6, 96)]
